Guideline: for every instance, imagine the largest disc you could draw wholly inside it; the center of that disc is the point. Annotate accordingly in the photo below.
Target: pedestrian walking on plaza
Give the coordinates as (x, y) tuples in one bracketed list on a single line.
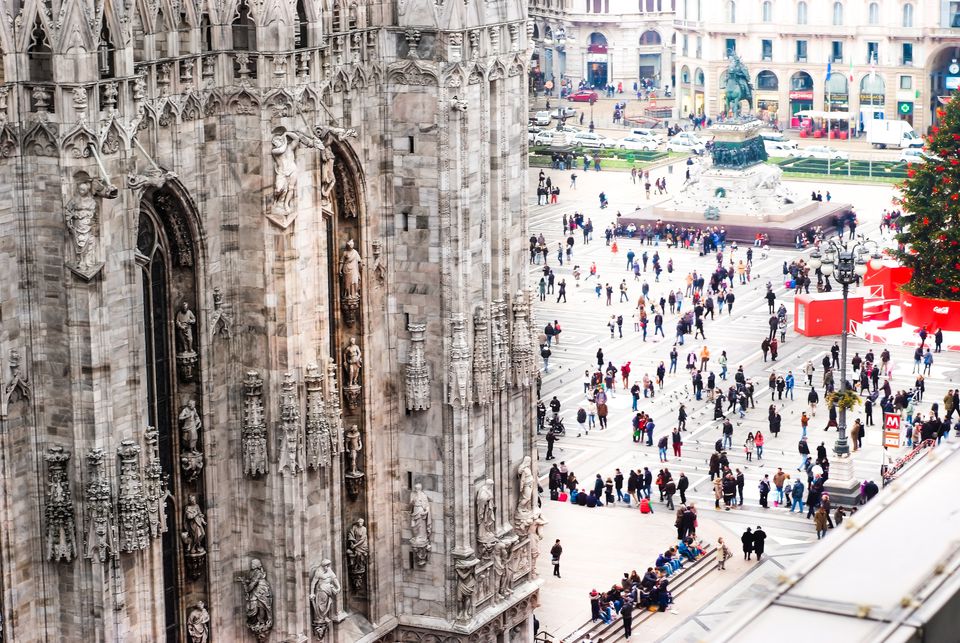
[(759, 538), (758, 442), (796, 493), (820, 522), (626, 615), (555, 552), (747, 541), (677, 440), (813, 399), (683, 483), (764, 490), (723, 553), (551, 438), (748, 447)]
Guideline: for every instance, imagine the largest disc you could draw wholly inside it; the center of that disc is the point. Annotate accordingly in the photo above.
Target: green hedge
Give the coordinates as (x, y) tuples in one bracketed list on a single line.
[(885, 169), (627, 155)]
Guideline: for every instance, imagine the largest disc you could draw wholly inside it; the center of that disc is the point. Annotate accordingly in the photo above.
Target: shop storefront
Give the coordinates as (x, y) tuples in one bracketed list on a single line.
[(872, 100), (768, 107), (800, 100), (597, 72)]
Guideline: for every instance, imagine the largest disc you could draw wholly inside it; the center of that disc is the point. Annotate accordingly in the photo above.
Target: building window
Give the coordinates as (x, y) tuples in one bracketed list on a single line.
[(650, 6), (731, 12), (906, 82), (838, 13), (873, 52), (731, 47), (686, 43), (873, 13), (801, 13), (767, 12), (766, 49), (801, 51), (955, 14), (767, 80), (906, 54), (908, 15), (836, 51), (699, 46)]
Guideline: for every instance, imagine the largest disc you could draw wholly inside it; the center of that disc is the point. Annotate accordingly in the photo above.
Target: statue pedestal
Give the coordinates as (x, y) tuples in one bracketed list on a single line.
[(354, 480), (186, 365), (352, 396)]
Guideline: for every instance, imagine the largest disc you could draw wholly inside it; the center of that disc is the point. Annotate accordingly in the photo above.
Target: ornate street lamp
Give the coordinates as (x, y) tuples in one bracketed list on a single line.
[(846, 262)]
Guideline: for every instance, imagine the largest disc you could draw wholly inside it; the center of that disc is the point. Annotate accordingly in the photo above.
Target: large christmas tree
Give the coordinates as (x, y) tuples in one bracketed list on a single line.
[(930, 235)]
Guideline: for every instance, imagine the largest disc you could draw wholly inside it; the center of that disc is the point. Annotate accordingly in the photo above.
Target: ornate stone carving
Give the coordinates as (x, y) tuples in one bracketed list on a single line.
[(80, 99), (465, 565), (198, 623), (358, 552), (153, 177), (353, 363), (289, 426), (101, 536), (514, 30), (17, 387), (459, 105), (524, 514), (317, 439), (455, 52), (258, 600), (131, 502), (494, 33), (61, 528), (417, 373), (334, 417), (82, 221), (482, 367), (351, 266), (501, 346), (194, 537), (220, 322), (486, 518), (421, 525), (254, 437), (522, 349), (191, 459), (324, 589), (459, 376), (155, 487), (412, 36), (474, 36), (185, 322), (354, 447)]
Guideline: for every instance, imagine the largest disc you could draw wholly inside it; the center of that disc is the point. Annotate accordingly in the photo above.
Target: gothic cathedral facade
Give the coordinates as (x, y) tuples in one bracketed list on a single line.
[(267, 366)]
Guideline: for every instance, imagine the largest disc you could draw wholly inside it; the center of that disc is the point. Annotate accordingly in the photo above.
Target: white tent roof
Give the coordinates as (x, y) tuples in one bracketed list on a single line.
[(813, 113)]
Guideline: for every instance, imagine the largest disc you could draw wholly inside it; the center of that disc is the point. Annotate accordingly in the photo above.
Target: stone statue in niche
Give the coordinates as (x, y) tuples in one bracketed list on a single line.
[(185, 323), (351, 265), (327, 176), (191, 459), (353, 362), (421, 524), (466, 585), (198, 624), (486, 518), (220, 322), (524, 514), (82, 221), (284, 147), (501, 567), (61, 544), (358, 552), (353, 476), (258, 599), (194, 537), (324, 589), (17, 387)]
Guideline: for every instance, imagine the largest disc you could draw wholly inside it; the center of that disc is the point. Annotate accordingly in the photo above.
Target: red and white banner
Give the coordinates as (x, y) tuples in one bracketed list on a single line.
[(891, 430)]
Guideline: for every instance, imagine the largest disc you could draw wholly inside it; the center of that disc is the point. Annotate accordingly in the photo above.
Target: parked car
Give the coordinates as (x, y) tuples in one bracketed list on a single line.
[(553, 136), (542, 118), (564, 112), (634, 142), (592, 139), (913, 155), (583, 96), (532, 133), (780, 148), (686, 144), (824, 152), (689, 138), (646, 132)]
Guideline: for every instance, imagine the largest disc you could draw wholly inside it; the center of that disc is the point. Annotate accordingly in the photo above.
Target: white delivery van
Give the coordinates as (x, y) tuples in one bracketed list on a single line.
[(778, 145), (893, 133)]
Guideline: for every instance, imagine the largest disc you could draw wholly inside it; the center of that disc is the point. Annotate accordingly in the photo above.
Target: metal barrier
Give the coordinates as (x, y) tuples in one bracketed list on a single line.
[(890, 473)]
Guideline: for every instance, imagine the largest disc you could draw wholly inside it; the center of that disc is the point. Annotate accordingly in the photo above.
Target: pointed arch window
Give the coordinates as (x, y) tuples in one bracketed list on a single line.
[(105, 53), (301, 29), (39, 55), (243, 29)]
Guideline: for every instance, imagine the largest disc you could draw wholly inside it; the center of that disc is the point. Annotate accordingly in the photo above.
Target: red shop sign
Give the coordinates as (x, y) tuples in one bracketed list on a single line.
[(802, 95)]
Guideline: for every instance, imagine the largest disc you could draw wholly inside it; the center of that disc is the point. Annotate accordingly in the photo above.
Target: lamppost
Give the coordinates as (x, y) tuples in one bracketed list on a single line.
[(846, 262)]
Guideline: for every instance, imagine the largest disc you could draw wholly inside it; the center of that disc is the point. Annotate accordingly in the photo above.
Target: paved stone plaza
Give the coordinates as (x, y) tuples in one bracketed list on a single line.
[(601, 544)]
